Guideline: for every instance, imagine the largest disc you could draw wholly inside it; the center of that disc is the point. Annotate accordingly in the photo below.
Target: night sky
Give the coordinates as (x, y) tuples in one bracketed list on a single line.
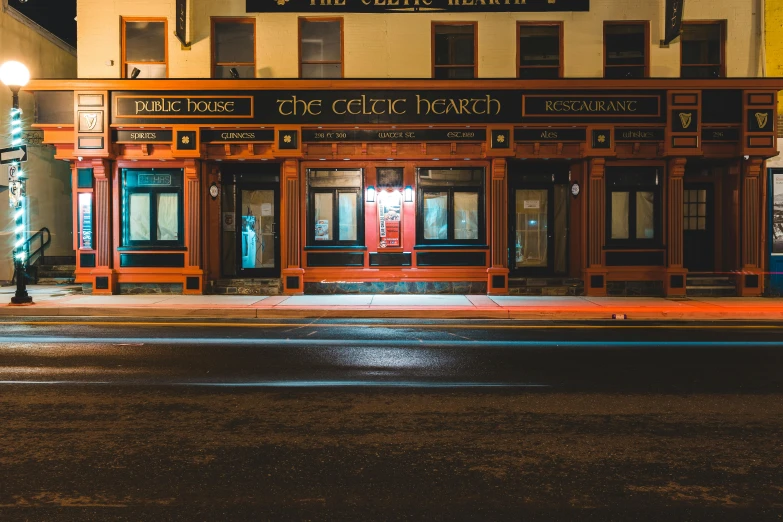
[(55, 15)]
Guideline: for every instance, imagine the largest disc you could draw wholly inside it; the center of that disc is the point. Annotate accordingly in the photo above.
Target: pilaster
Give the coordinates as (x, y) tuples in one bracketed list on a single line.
[(674, 283), (497, 274)]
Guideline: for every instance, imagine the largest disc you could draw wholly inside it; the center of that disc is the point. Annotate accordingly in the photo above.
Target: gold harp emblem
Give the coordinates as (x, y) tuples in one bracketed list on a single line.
[(92, 119), (282, 2), (685, 119), (761, 119)]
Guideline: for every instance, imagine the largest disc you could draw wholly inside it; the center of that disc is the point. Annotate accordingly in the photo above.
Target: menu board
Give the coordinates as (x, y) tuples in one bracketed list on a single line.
[(85, 221), (389, 219)]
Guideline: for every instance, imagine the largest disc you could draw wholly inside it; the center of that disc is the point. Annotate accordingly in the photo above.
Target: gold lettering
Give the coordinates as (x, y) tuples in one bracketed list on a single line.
[(334, 106), (393, 106), (354, 102), (280, 104)]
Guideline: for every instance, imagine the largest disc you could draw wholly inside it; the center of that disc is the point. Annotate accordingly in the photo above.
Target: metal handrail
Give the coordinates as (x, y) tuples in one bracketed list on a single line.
[(38, 253)]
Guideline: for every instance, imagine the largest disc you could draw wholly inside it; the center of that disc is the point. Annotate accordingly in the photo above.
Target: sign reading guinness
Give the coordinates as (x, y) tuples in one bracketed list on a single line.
[(320, 135), (638, 134), (238, 136), (413, 6), (143, 136), (549, 134), (174, 107)]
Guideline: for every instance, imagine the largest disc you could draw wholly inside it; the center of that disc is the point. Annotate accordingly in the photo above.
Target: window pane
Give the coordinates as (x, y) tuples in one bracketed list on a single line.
[(323, 216), (145, 42), (139, 211), (645, 219), (466, 208), (701, 44), (234, 42), (532, 242), (451, 177), (539, 45), (620, 215), (435, 215), (148, 70), (168, 217), (328, 70), (320, 41), (702, 223), (454, 45), (244, 71), (335, 178), (347, 214), (625, 44)]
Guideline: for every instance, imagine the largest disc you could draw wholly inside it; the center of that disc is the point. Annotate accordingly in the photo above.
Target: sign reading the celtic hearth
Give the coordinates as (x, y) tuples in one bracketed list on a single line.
[(414, 6), (385, 107)]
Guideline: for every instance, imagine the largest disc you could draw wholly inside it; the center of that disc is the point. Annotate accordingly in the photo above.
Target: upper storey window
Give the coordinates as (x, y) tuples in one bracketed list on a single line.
[(626, 53), (320, 47), (233, 48), (144, 48), (540, 53), (703, 50), (454, 50)]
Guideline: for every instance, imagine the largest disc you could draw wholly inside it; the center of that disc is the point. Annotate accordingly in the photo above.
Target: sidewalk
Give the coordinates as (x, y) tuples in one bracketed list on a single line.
[(67, 301)]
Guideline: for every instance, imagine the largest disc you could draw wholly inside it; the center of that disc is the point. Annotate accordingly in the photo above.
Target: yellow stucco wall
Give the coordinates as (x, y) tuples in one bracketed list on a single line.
[(398, 45), (49, 185)]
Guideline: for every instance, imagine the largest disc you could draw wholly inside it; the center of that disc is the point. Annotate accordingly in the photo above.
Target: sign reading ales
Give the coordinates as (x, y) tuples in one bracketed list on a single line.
[(413, 6)]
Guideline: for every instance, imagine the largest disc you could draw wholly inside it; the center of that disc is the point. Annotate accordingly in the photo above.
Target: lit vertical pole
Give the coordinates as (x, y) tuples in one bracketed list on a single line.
[(15, 75)]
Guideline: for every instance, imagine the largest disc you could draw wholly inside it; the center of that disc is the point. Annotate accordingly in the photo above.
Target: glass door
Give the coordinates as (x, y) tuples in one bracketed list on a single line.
[(698, 233), (258, 236), (532, 238)]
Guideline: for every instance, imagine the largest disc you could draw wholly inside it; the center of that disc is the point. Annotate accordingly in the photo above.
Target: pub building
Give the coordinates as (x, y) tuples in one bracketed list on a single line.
[(570, 186)]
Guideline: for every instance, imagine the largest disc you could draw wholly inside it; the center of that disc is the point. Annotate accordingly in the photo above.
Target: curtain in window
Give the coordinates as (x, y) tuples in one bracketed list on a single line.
[(168, 221), (620, 215), (466, 215), (346, 205), (139, 210), (323, 216), (645, 221), (435, 215)]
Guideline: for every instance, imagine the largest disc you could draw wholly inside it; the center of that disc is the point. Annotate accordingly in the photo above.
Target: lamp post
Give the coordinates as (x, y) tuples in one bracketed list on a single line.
[(15, 75)]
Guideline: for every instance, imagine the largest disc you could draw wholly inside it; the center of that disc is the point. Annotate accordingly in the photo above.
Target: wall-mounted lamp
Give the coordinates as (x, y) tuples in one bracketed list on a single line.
[(370, 194), (135, 73), (234, 73), (408, 194)]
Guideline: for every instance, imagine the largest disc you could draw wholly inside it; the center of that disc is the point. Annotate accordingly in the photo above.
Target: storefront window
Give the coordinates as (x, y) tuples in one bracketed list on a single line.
[(144, 48), (335, 208), (633, 213), (454, 50), (152, 208), (451, 206)]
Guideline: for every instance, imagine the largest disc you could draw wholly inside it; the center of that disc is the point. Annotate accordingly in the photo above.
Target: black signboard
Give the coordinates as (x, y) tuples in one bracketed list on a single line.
[(414, 6), (143, 136), (319, 135), (720, 134), (673, 21), (181, 31), (638, 134), (549, 134), (385, 107), (237, 136)]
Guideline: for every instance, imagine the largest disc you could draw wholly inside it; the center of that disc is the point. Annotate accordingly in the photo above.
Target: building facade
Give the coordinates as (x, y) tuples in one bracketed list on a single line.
[(338, 146), (49, 180)]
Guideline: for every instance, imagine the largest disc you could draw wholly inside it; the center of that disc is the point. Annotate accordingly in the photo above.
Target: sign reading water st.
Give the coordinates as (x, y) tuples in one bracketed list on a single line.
[(413, 6)]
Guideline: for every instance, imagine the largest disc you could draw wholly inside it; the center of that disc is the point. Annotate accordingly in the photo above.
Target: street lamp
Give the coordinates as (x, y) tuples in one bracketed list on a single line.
[(15, 75)]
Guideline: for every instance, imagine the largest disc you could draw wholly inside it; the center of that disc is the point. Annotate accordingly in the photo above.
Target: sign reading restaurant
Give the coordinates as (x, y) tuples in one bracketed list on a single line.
[(414, 6), (341, 107)]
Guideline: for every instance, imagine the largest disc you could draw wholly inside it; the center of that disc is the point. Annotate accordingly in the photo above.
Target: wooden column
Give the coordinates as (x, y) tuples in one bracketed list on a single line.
[(193, 274), (497, 274), (674, 283), (751, 277), (104, 279), (595, 274), (290, 241)]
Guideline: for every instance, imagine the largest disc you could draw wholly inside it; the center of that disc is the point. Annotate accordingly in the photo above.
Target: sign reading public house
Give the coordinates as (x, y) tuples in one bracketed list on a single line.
[(337, 107), (414, 6)]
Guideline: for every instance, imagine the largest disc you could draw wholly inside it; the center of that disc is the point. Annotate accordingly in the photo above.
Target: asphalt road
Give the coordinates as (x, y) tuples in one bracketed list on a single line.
[(347, 420)]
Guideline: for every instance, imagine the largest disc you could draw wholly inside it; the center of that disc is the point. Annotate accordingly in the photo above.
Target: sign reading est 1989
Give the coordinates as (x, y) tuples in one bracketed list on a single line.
[(414, 6)]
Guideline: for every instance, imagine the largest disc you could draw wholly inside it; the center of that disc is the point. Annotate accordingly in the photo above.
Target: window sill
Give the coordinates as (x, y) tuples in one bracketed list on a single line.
[(152, 249), (336, 247), (451, 247), (611, 248)]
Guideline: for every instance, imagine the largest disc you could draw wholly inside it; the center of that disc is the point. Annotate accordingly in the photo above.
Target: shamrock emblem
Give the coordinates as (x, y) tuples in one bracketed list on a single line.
[(501, 138), (287, 138), (601, 138), (185, 140)]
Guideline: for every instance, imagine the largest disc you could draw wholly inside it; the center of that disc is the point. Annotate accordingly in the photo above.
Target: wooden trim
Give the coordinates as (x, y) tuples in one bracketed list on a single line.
[(723, 30), (342, 42), (559, 25), (646, 25), (213, 46), (124, 62), (433, 25)]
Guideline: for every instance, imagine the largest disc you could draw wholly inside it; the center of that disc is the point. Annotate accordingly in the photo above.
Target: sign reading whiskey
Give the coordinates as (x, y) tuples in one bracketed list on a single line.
[(354, 107), (413, 6)]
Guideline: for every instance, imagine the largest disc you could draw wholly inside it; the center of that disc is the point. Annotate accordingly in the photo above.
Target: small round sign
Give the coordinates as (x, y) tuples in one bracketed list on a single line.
[(213, 190), (575, 189)]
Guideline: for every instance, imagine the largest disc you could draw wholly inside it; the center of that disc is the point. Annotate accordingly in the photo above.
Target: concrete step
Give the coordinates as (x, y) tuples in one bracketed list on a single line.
[(55, 280), (246, 286)]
